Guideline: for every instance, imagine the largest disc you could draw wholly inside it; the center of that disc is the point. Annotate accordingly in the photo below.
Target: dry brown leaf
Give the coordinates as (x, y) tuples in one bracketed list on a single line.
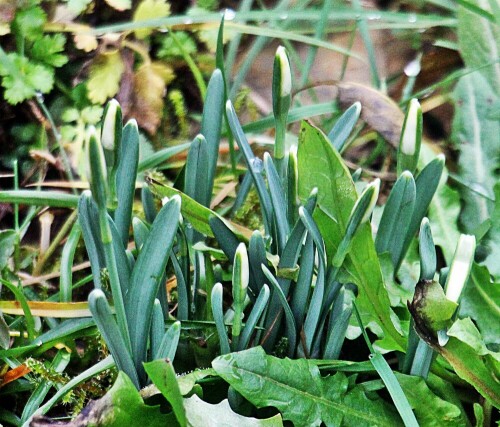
[(150, 82), (379, 111), (85, 42)]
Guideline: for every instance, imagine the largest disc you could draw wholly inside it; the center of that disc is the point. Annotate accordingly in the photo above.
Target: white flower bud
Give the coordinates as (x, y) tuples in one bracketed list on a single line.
[(373, 188), (409, 138), (460, 267), (109, 125), (286, 74)]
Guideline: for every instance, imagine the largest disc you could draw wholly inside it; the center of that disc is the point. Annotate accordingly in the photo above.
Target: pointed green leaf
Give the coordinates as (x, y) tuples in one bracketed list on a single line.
[(321, 166)]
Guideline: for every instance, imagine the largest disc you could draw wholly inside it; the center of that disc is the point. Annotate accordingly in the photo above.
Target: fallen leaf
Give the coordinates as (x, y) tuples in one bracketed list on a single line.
[(379, 111), (150, 82), (120, 4), (14, 374), (86, 42)]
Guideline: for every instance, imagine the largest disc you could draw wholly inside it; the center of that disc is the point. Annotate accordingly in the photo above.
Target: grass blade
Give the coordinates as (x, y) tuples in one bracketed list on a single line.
[(157, 328), (183, 298), (161, 156), (196, 172), (426, 184), (125, 179), (303, 285), (103, 317), (54, 199), (141, 233), (290, 321), (314, 311), (278, 202), (253, 318), (59, 363), (339, 322), (146, 277), (344, 126), (211, 124), (389, 379), (148, 204), (394, 223), (217, 311), (254, 165), (67, 257), (87, 214), (427, 251), (23, 302), (168, 345), (256, 257)]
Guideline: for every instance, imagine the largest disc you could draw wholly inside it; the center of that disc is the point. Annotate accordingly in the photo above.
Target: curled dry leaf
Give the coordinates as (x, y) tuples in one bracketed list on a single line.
[(85, 41), (150, 82), (379, 111)]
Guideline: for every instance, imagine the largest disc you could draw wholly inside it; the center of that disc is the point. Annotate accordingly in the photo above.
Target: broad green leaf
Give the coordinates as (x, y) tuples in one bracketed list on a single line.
[(300, 393), (104, 78), (186, 382), (197, 214), (493, 238), (29, 21), (149, 9), (463, 352), (477, 139), (162, 374), (122, 406), (321, 166), (466, 331), (22, 78), (433, 411), (479, 41), (201, 413), (49, 49), (431, 307), (481, 301), (480, 371)]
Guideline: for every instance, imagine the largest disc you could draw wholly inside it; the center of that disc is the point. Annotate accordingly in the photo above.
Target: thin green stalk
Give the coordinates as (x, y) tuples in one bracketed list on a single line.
[(258, 45), (57, 138), (319, 32), (234, 44), (18, 293), (55, 243), (365, 35), (192, 66), (389, 379), (67, 257), (16, 219), (350, 44)]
